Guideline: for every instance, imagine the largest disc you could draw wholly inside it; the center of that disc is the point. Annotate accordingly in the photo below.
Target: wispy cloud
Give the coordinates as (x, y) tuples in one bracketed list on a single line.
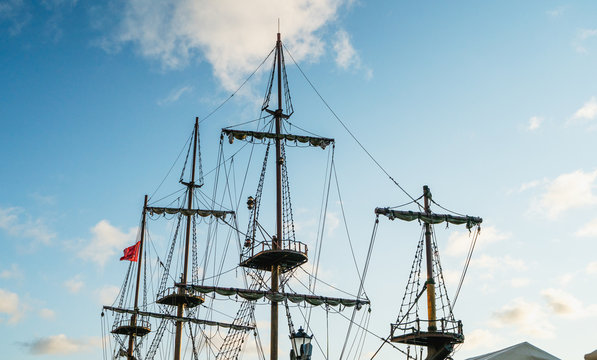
[(460, 241), (534, 123), (582, 37), (10, 306), (16, 14), (232, 36), (557, 12), (107, 241), (346, 56), (74, 285), (563, 304), (586, 112), (494, 263), (588, 230), (107, 294), (174, 95), (567, 191), (17, 223), (520, 282), (525, 318), (43, 199), (592, 268), (60, 345), (529, 185), (13, 273), (481, 338), (47, 314), (49, 13)]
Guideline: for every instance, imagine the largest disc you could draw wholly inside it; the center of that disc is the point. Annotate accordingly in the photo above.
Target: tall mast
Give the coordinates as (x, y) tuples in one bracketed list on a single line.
[(276, 242), (134, 316), (440, 336), (429, 255), (181, 290)]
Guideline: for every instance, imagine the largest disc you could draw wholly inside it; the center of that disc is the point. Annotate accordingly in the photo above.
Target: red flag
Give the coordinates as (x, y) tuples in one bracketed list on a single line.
[(131, 253)]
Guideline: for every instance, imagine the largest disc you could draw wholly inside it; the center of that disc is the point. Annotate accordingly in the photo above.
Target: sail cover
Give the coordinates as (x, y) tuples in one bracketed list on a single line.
[(177, 318), (252, 135), (204, 213), (470, 221), (278, 296)]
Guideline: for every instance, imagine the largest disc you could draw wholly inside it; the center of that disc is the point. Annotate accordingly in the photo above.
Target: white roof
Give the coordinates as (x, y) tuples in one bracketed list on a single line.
[(522, 351)]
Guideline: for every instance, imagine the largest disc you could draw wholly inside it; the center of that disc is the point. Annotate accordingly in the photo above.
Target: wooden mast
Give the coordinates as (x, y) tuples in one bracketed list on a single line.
[(430, 279), (129, 353), (181, 290), (276, 241)]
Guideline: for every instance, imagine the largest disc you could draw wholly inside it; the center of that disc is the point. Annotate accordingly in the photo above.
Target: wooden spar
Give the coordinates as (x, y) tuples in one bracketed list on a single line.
[(182, 319), (190, 185), (139, 259), (276, 242)]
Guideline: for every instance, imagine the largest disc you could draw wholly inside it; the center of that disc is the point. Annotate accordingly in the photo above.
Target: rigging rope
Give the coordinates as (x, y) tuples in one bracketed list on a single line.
[(237, 90), (172, 167), (466, 264), (350, 132), (322, 219), (362, 282)]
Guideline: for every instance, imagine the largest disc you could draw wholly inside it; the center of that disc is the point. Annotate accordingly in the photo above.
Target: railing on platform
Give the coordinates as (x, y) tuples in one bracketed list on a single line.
[(445, 326), (139, 323), (261, 246)]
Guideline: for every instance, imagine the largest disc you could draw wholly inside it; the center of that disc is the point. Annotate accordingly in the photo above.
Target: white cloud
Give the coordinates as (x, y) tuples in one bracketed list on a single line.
[(43, 199), (11, 306), (565, 279), (74, 285), (47, 314), (592, 268), (233, 36), (346, 56), (60, 345), (13, 273), (107, 294), (588, 230), (529, 185), (519, 282), (567, 191), (496, 263), (331, 223), (174, 95), (460, 241), (19, 224), (480, 338), (534, 123), (106, 243), (556, 12), (526, 318), (587, 112), (581, 38), (562, 303), (16, 13)]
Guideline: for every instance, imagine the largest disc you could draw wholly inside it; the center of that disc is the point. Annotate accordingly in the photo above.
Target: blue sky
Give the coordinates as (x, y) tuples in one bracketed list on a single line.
[(492, 104)]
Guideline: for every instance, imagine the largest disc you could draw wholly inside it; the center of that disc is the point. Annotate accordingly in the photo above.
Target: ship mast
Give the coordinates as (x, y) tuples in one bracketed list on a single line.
[(181, 289), (441, 334), (275, 242), (429, 257), (134, 316)]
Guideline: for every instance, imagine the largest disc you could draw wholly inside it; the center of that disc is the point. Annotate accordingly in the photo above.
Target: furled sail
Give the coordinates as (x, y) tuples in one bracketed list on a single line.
[(470, 221), (189, 212), (252, 135), (278, 296), (177, 318)]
